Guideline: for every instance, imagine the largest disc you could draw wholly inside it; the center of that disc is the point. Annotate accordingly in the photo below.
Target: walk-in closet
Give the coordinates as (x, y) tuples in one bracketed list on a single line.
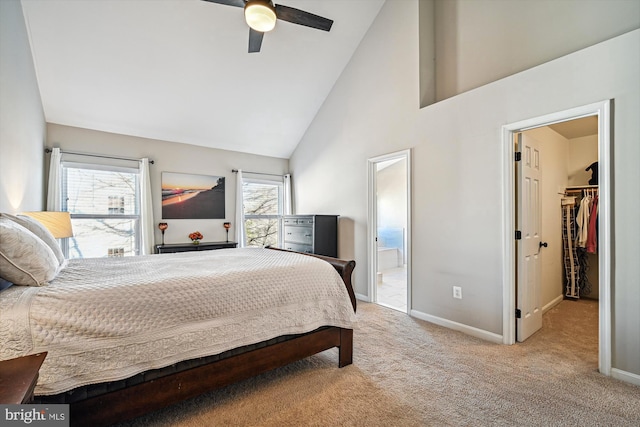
[(569, 195)]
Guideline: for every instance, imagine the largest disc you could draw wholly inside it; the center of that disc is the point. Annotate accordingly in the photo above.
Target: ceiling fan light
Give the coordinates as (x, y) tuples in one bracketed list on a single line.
[(260, 16)]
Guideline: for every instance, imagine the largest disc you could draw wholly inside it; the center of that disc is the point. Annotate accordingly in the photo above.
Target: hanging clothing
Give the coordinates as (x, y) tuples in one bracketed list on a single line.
[(592, 234), (582, 220)]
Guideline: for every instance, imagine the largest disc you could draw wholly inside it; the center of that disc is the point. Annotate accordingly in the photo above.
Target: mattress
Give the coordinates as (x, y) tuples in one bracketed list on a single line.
[(106, 319)]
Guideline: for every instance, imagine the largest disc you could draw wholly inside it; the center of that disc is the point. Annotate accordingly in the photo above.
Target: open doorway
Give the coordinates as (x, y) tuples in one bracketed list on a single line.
[(528, 244), (557, 193), (389, 224)]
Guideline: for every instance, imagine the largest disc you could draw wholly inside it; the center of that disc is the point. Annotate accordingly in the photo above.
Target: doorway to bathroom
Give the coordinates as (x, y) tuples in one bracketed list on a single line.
[(389, 230)]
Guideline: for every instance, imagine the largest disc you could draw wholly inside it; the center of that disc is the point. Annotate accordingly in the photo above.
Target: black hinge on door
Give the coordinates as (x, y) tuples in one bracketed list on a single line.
[(518, 235), (518, 313), (518, 156)]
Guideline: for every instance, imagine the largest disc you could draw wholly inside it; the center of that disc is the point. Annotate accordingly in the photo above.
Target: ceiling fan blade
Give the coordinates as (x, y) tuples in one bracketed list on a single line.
[(237, 3), (255, 40), (301, 17)]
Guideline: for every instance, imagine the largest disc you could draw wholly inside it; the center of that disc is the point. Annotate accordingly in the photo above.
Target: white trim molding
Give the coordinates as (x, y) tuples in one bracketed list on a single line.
[(625, 376), (469, 330), (557, 300), (362, 297)]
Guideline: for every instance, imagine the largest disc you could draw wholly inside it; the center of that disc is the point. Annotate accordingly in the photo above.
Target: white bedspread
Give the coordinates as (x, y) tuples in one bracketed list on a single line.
[(106, 319)]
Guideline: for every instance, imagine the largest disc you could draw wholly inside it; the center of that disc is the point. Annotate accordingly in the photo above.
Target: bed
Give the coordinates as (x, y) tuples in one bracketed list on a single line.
[(136, 334)]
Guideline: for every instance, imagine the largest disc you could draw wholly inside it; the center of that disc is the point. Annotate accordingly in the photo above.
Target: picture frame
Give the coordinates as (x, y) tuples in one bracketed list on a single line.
[(192, 196)]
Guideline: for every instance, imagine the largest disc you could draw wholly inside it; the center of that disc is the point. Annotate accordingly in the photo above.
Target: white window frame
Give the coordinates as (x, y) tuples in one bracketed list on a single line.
[(280, 214), (110, 168)]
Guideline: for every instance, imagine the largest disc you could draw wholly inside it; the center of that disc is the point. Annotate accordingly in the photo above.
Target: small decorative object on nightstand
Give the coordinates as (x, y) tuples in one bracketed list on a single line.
[(227, 226), (163, 226), (19, 377), (195, 237)]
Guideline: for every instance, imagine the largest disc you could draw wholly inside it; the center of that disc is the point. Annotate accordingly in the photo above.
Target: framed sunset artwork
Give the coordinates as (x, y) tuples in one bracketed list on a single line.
[(191, 196)]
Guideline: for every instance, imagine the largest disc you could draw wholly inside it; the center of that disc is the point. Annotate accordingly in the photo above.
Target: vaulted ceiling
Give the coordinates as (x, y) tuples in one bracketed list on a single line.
[(178, 70)]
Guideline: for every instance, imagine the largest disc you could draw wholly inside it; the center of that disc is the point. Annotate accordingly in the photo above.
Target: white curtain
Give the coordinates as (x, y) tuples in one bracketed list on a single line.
[(54, 198), (146, 210), (240, 231), (287, 199)]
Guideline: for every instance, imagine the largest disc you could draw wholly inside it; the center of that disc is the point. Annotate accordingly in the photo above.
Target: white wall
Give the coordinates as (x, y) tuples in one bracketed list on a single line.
[(582, 153), (457, 166), (427, 18), (22, 132), (171, 157), (372, 110), (481, 41)]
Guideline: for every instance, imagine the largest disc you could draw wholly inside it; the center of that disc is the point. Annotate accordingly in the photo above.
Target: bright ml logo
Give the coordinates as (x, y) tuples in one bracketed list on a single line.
[(35, 415)]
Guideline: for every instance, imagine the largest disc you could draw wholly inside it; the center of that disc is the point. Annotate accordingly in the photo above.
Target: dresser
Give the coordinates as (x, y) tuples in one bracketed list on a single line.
[(189, 247), (314, 234)]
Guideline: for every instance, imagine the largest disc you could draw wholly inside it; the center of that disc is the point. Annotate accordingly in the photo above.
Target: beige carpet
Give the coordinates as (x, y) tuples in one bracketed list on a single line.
[(407, 372)]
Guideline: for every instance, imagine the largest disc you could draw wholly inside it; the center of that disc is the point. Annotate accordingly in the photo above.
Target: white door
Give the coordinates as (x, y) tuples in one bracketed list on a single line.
[(528, 297)]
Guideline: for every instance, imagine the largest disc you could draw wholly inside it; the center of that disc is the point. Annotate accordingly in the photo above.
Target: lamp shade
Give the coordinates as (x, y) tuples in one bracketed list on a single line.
[(58, 223), (260, 15)]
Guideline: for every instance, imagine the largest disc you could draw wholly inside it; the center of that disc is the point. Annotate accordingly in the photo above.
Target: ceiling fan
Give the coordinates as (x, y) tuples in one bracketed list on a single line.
[(261, 17)]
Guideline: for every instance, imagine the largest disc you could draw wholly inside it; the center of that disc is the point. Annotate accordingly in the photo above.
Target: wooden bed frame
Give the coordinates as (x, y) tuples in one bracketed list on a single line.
[(150, 395)]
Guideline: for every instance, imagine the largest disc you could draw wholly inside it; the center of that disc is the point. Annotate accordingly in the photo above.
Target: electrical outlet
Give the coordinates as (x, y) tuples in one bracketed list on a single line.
[(457, 292)]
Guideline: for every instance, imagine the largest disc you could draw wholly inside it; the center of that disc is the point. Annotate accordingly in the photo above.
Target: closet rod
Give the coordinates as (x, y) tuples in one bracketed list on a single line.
[(257, 173), (582, 187), (49, 150)]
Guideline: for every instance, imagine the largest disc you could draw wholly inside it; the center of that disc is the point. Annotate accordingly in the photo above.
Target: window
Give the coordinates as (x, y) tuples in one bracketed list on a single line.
[(116, 204), (113, 252), (104, 203), (262, 202)]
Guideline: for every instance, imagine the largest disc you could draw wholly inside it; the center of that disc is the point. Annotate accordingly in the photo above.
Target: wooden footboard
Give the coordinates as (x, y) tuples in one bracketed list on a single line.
[(144, 397), (156, 394), (343, 267)]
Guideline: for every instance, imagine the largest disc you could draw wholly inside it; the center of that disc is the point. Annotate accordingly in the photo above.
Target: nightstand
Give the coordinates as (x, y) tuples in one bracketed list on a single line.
[(18, 378), (190, 247)]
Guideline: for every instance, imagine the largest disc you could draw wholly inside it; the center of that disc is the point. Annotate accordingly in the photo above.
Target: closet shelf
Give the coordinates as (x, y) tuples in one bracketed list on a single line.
[(579, 188)]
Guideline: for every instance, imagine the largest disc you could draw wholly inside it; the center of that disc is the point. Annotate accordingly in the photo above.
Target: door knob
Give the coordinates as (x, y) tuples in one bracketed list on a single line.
[(543, 244)]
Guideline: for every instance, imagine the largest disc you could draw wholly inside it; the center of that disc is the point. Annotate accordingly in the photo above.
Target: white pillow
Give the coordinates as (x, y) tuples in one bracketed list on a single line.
[(36, 227), (24, 258)]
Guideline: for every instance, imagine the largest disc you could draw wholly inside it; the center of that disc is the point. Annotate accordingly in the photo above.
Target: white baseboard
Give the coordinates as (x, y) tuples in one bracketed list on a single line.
[(469, 330), (625, 376), (363, 297), (557, 300)]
